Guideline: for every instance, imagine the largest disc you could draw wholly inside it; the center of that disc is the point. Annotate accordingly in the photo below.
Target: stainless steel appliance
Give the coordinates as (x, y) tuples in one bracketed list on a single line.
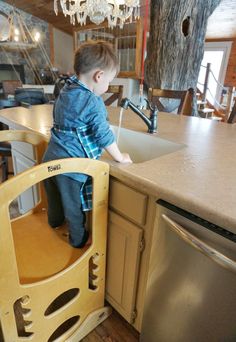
[(191, 292)]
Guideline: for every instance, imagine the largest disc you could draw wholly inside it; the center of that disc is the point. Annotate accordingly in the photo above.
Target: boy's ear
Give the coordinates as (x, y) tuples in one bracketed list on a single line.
[(98, 75)]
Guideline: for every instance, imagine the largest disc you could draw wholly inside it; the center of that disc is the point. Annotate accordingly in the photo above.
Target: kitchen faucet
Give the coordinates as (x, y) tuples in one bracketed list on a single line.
[(151, 122)]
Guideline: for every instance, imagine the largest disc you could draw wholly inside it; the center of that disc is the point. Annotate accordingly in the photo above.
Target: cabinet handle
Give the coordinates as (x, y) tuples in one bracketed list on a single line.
[(201, 246)]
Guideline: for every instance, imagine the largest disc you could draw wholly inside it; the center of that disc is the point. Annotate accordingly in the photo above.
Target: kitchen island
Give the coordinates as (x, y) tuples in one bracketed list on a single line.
[(199, 178)]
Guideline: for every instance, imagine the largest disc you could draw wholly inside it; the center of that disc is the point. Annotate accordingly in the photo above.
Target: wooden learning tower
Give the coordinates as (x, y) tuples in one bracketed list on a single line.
[(49, 290)]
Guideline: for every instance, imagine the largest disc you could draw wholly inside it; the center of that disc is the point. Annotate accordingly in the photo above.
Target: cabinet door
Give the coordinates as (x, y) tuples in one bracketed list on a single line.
[(28, 199), (123, 257)]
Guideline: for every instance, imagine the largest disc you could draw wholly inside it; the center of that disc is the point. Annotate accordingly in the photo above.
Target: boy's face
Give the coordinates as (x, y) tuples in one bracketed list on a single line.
[(102, 80)]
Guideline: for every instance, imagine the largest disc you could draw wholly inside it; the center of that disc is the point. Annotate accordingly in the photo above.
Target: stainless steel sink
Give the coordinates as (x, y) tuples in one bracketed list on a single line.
[(143, 147)]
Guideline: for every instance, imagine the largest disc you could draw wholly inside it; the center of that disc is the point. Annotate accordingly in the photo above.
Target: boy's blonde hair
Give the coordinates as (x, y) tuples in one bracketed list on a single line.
[(95, 54)]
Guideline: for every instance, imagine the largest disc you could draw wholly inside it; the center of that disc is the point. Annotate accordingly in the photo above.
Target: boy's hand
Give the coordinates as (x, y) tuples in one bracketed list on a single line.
[(126, 158), (114, 151)]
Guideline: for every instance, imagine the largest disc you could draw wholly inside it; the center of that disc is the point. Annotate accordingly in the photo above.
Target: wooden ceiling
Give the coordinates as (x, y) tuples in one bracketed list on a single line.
[(222, 23)]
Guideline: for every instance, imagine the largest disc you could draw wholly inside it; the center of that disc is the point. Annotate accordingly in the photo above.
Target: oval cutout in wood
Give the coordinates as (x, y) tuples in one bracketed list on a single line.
[(60, 301), (64, 327)]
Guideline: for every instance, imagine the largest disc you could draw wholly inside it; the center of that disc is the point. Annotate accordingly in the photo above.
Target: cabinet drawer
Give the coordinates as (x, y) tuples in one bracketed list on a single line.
[(128, 202), (30, 197), (25, 149)]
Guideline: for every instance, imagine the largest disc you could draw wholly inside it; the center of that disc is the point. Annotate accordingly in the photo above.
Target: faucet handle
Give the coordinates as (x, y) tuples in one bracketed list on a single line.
[(125, 103), (151, 106)]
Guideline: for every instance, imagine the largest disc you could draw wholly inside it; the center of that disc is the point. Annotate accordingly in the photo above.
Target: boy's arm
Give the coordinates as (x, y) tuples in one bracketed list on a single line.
[(115, 153)]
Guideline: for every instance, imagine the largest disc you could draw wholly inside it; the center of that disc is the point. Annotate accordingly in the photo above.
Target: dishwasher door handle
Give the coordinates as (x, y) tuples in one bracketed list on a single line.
[(200, 245)]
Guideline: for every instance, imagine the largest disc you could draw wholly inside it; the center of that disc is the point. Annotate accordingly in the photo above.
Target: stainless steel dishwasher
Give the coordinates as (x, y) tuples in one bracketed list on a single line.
[(191, 291)]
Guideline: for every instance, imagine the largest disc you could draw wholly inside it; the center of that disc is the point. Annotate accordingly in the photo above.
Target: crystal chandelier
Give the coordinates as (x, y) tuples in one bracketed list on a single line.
[(115, 11)]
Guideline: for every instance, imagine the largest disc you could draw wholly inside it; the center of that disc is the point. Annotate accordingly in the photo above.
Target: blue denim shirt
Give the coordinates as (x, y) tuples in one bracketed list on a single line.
[(78, 108), (80, 127)]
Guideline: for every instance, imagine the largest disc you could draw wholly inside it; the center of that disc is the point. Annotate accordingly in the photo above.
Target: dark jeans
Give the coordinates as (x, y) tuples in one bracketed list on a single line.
[(64, 203)]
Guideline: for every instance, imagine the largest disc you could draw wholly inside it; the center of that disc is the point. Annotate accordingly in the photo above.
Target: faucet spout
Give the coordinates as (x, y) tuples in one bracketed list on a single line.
[(151, 122)]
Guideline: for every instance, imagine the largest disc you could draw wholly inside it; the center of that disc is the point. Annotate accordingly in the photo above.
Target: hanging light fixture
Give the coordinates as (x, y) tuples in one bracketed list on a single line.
[(17, 34), (117, 12)]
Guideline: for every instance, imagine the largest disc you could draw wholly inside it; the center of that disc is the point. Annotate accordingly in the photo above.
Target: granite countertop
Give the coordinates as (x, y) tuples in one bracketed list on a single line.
[(200, 178)]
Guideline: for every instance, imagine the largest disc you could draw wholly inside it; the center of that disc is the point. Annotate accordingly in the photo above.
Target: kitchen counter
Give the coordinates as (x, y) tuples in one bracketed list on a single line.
[(200, 178)]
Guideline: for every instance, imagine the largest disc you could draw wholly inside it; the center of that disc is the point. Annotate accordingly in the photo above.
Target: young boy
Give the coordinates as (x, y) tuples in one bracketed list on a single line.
[(80, 129)]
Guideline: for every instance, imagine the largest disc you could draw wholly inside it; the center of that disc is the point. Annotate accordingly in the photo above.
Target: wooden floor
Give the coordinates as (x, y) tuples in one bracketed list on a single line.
[(113, 329)]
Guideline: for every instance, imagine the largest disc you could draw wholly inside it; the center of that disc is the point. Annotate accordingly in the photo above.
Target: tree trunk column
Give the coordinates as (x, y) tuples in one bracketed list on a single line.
[(176, 42)]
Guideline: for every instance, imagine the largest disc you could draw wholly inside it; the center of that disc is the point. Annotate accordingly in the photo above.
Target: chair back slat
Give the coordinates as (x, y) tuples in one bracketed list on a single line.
[(9, 87), (185, 98), (117, 94)]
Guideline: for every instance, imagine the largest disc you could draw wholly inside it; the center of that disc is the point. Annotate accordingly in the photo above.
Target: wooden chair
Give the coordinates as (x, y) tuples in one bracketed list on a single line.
[(185, 98), (51, 291), (232, 115), (59, 84), (9, 87), (117, 94)]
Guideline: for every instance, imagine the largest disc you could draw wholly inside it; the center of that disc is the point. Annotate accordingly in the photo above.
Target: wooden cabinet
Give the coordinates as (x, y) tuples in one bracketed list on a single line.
[(126, 225), (127, 41), (123, 257), (128, 202)]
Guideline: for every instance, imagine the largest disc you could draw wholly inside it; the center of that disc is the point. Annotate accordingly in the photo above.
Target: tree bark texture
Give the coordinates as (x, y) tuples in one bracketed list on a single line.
[(176, 42)]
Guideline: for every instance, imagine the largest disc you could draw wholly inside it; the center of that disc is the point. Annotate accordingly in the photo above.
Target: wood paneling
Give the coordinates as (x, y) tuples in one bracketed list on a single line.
[(230, 79)]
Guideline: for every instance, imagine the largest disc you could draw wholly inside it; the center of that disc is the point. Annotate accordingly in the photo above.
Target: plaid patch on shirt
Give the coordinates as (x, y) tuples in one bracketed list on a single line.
[(86, 195), (92, 151)]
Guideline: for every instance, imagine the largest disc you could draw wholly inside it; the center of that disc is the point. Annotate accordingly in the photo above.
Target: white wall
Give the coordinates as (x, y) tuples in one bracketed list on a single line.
[(63, 51), (130, 90)]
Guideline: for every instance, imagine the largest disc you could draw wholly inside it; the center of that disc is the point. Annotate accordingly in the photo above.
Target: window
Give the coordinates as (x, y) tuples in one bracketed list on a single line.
[(217, 54)]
